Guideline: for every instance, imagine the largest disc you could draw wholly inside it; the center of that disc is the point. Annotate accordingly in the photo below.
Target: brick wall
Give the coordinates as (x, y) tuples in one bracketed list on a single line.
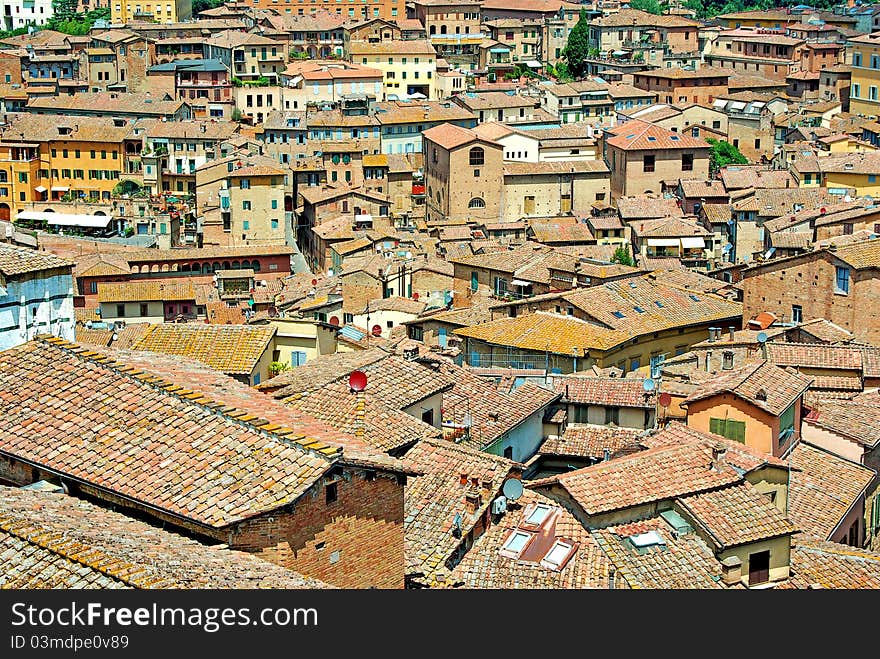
[(809, 282), (353, 542)]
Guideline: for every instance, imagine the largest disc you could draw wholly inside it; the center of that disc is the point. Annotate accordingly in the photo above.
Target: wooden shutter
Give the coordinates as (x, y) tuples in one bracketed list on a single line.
[(736, 430), (716, 426)]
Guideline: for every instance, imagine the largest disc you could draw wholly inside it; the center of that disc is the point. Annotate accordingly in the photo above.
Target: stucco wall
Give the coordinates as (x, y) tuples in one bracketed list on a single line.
[(33, 304)]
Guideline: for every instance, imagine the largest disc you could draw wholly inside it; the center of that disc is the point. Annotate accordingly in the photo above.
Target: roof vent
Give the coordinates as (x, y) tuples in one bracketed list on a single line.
[(761, 394)]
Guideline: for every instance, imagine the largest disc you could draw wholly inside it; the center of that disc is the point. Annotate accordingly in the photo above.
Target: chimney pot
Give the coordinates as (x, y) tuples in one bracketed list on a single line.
[(462, 479), (732, 332), (731, 570), (472, 501)]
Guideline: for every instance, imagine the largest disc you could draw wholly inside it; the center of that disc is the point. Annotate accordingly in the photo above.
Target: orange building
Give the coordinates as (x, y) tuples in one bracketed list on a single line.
[(389, 9), (758, 405)]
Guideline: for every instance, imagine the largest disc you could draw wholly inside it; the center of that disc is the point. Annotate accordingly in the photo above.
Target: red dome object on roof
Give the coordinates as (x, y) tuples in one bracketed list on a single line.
[(334, 321), (357, 381), (377, 330)]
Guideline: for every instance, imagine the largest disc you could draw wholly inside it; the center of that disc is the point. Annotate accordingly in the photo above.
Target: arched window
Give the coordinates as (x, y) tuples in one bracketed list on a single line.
[(477, 156), (433, 29), (255, 266), (476, 202)]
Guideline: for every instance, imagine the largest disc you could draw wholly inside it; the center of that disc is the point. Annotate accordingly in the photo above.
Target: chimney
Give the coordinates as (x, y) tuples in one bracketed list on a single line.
[(708, 360), (719, 450), (711, 335), (472, 501), (462, 479), (731, 330), (731, 570), (787, 181)]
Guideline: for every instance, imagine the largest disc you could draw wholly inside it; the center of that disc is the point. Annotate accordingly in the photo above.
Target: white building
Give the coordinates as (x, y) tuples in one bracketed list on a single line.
[(21, 13), (36, 296)]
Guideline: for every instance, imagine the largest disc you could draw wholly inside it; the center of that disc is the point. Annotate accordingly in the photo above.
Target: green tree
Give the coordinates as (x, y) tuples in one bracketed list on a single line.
[(236, 115), (723, 153), (650, 6), (199, 6), (621, 256), (577, 49)]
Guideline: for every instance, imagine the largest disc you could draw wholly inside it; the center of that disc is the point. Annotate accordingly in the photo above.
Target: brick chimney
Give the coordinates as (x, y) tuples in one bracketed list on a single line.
[(731, 570), (719, 450), (472, 501)]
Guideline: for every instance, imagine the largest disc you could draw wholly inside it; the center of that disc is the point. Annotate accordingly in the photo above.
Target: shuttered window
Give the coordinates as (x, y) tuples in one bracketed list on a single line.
[(735, 430)]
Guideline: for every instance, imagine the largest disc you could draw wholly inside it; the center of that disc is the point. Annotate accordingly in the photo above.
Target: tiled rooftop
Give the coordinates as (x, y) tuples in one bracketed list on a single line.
[(831, 565), (585, 440), (654, 475), (762, 384), (434, 498), (232, 349), (57, 541), (855, 420), (613, 392), (823, 488), (16, 261)]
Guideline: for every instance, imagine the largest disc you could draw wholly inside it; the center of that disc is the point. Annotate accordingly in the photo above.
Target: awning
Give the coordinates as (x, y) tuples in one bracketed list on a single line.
[(60, 188), (692, 242), (663, 242), (66, 219), (619, 53), (520, 282), (499, 50), (40, 188), (533, 64)]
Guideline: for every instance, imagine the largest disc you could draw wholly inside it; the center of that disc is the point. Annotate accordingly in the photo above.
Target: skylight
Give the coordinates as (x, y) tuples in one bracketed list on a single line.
[(538, 515), (658, 303), (651, 138), (629, 137), (694, 297), (673, 137), (639, 309), (516, 543), (558, 555), (618, 314)]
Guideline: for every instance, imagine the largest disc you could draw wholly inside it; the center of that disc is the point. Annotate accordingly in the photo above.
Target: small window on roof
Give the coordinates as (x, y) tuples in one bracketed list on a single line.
[(558, 556), (694, 297), (618, 314), (639, 309), (673, 138), (658, 303), (515, 543), (538, 515), (651, 138), (629, 137)]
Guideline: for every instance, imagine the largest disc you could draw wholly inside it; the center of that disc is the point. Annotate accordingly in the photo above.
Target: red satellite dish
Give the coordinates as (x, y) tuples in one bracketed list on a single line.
[(415, 296), (314, 282), (665, 399), (377, 330), (357, 381), (334, 321)]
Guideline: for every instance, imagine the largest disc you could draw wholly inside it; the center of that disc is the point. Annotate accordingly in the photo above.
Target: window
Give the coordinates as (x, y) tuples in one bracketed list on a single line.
[(476, 202), (274, 204), (786, 425), (477, 156), (612, 415), (687, 161), (245, 183), (476, 173), (757, 142), (515, 544), (841, 283), (558, 555), (120, 311), (649, 164), (245, 205), (246, 225), (759, 568), (331, 492), (474, 281), (735, 430), (848, 229)]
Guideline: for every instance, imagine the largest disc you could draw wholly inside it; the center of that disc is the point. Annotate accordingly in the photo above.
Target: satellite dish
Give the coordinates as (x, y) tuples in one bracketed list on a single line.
[(665, 399), (357, 381), (415, 296), (334, 321), (377, 330), (512, 488), (648, 385), (314, 282), (762, 337)]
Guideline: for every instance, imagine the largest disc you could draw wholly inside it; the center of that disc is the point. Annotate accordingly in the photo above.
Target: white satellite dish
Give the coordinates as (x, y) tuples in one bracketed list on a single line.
[(648, 385), (512, 489)]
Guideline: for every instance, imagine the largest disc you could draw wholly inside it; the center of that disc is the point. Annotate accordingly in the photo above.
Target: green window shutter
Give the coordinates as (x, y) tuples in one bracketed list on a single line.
[(875, 514), (736, 430), (716, 426)]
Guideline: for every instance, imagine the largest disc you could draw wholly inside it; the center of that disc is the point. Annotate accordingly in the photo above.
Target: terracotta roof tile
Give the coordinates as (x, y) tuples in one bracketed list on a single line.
[(16, 261), (232, 349), (56, 541), (762, 384), (654, 475), (434, 498), (615, 392), (823, 488), (585, 440), (831, 565)]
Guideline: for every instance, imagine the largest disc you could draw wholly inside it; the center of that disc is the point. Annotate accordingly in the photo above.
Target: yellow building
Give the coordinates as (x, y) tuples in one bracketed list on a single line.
[(408, 66), (863, 55), (859, 171), (169, 11), (60, 158)]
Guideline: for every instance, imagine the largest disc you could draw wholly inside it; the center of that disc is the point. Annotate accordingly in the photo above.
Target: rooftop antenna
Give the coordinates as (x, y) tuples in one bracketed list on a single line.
[(512, 489), (762, 341), (357, 382)]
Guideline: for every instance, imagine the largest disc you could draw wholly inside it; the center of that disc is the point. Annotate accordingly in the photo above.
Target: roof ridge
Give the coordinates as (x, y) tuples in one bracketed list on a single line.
[(286, 436), (56, 543)]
